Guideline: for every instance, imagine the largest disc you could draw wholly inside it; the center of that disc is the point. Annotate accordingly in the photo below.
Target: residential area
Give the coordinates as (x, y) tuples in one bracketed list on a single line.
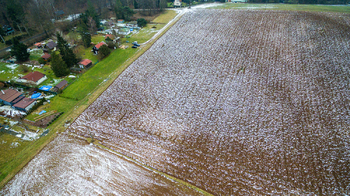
[(46, 81)]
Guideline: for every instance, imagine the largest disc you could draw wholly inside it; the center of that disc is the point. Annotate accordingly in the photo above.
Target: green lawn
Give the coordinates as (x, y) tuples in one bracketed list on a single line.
[(35, 54), (291, 7)]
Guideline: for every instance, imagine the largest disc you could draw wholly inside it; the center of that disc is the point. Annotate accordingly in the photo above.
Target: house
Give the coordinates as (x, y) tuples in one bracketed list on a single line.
[(97, 47), (85, 63), (10, 96), (124, 31), (120, 21), (110, 36), (46, 56), (38, 45), (25, 104), (60, 86), (34, 78), (50, 45)]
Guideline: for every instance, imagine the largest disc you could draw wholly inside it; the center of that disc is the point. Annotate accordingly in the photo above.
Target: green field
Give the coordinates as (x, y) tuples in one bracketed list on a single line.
[(287, 7)]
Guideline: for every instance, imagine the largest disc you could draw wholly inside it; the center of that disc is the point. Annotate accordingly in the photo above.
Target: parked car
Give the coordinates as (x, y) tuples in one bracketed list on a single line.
[(134, 46)]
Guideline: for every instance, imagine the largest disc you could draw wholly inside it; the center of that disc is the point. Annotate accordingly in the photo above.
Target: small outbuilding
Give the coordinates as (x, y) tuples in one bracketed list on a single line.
[(85, 63), (34, 78), (46, 56), (60, 86), (25, 104)]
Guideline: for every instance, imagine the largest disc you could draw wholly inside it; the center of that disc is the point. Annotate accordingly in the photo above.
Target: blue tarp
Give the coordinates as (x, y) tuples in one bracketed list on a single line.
[(36, 95), (45, 88), (42, 112)]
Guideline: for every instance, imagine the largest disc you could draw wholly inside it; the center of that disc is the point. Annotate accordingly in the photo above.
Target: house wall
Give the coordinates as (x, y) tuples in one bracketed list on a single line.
[(30, 106), (41, 80)]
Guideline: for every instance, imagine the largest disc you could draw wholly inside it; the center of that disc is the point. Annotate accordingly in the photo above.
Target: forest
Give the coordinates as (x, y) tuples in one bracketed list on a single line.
[(34, 16)]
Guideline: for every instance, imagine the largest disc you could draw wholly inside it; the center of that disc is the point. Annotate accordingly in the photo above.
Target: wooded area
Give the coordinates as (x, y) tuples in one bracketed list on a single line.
[(34, 16)]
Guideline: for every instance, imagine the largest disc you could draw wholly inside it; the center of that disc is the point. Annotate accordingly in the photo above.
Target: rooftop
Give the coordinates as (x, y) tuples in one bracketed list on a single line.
[(85, 62), (9, 95), (33, 76), (100, 44), (61, 84), (24, 103)]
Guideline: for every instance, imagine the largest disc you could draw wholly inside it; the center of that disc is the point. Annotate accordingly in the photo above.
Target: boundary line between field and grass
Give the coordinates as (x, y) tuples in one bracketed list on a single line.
[(75, 112)]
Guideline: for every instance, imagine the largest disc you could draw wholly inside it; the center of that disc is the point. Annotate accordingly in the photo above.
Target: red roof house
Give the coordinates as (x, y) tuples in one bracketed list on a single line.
[(33, 78), (46, 56), (97, 47), (110, 36), (85, 63)]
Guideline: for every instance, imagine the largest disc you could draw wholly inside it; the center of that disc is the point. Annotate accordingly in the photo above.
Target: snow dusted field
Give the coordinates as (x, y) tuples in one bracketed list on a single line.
[(234, 102), (69, 166), (237, 102)]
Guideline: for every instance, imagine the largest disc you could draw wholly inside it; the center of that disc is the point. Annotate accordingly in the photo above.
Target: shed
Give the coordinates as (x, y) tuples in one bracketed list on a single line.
[(46, 56), (10, 96), (60, 86), (25, 104), (85, 63), (34, 78)]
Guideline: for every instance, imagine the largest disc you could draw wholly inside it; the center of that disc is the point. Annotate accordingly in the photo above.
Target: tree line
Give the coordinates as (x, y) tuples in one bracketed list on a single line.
[(36, 16)]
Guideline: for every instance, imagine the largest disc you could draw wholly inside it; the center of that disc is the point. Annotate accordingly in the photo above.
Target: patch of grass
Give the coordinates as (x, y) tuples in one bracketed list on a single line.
[(165, 17), (35, 54), (58, 103), (97, 39), (289, 7)]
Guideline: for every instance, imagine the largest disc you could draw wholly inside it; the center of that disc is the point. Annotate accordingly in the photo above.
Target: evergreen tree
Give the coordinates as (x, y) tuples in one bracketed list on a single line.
[(86, 37), (19, 50), (127, 13), (103, 52), (141, 22), (58, 66), (67, 53), (118, 9)]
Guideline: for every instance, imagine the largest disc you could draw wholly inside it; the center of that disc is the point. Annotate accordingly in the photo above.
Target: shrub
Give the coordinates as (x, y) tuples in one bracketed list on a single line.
[(103, 52), (23, 68), (141, 22), (41, 61)]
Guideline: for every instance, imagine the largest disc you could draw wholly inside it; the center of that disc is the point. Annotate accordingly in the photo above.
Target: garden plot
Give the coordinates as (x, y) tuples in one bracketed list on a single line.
[(237, 102)]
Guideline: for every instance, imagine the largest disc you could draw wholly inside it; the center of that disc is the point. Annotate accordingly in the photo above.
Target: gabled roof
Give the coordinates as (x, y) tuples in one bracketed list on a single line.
[(33, 76), (46, 56), (61, 84), (100, 44), (9, 95), (110, 36), (85, 62), (24, 103), (51, 45)]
